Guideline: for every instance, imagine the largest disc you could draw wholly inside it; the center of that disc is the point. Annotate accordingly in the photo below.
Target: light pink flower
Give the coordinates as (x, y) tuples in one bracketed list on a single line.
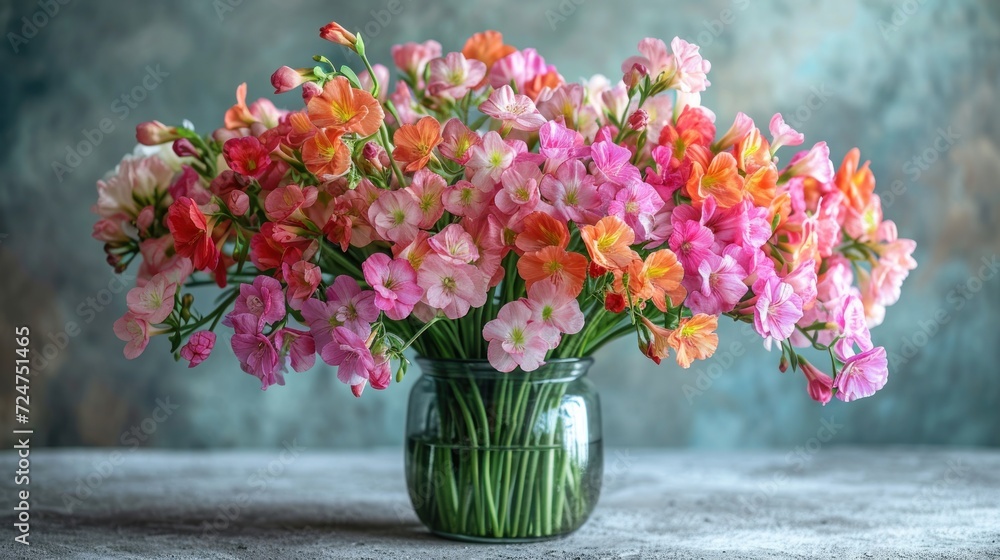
[(465, 200), (519, 195), (346, 305), (853, 326), (571, 193), (457, 141), (154, 301), (302, 278), (396, 216), (263, 299), (412, 58), (636, 203), (814, 163), (803, 282), (691, 70), (134, 330), (489, 159), (395, 285), (256, 352), (777, 310), (520, 67), (198, 347), (454, 244), (553, 307), (514, 110), (295, 348), (454, 75), (136, 182), (351, 355), (783, 135), (820, 385), (611, 164), (719, 286), (862, 375), (428, 190), (692, 243), (515, 340), (451, 288), (742, 125), (653, 57)]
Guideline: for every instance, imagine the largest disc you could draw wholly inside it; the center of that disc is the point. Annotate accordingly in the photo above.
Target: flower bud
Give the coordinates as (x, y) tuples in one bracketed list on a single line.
[(186, 301), (638, 120), (783, 364), (335, 33), (310, 90), (595, 270), (184, 148), (634, 76), (286, 79), (154, 133), (614, 303)]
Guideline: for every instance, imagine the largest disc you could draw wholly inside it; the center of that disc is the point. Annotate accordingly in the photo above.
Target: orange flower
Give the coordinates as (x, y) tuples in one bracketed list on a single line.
[(694, 339), (609, 242), (414, 143), (659, 345), (664, 274), (761, 185), (721, 180), (487, 47), (752, 152), (324, 155), (542, 230), (342, 107), (534, 86), (639, 288), (566, 269), (238, 116), (856, 184)]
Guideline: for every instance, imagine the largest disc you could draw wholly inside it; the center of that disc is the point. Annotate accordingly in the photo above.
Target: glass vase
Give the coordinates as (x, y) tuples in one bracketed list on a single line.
[(503, 457)]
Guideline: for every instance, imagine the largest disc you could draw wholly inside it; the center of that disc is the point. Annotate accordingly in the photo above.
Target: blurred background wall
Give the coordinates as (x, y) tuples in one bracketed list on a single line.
[(913, 83)]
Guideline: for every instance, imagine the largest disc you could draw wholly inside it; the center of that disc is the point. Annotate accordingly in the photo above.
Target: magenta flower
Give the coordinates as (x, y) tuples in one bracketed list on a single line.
[(451, 288), (820, 385), (412, 58), (571, 193), (782, 134), (295, 348), (263, 299), (514, 110), (719, 286), (198, 347), (256, 352), (454, 75), (515, 340), (611, 164), (154, 301), (395, 285), (489, 159), (636, 203), (558, 144), (134, 330), (303, 278), (351, 355), (554, 307), (396, 216), (778, 309), (814, 163), (863, 375), (346, 305), (692, 243)]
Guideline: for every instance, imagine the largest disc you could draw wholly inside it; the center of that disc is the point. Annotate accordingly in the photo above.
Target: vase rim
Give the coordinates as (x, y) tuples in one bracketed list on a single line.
[(558, 369)]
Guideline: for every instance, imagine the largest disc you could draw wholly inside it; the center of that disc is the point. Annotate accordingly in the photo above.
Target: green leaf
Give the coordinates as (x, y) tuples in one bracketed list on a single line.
[(350, 75)]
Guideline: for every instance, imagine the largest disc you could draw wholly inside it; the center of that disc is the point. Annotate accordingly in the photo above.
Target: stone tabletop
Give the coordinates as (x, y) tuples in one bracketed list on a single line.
[(299, 503)]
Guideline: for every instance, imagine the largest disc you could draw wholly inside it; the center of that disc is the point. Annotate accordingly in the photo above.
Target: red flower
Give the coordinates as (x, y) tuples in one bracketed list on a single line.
[(192, 233), (247, 156)]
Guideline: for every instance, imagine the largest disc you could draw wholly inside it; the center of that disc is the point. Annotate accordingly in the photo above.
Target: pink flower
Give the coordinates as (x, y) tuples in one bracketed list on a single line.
[(454, 75), (863, 375), (153, 133), (412, 58), (457, 141), (451, 288), (134, 330), (742, 126), (395, 285), (853, 326), (189, 184), (354, 360), (635, 204), (380, 376), (302, 278), (558, 144), (803, 282), (198, 347), (777, 310), (256, 352), (135, 179), (428, 189), (820, 385), (464, 199), (489, 159), (286, 79), (814, 163), (571, 193), (691, 70), (263, 299), (454, 244), (247, 156), (396, 216), (515, 110), (719, 286), (521, 67), (692, 243), (515, 340), (611, 164), (154, 301), (783, 135), (295, 348), (554, 307), (654, 58), (288, 202), (346, 305), (519, 195)]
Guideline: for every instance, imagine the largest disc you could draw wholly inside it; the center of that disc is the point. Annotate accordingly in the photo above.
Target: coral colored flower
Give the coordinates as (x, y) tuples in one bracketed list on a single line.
[(783, 135), (720, 286), (452, 288), (412, 58), (396, 216), (154, 301), (552, 306), (721, 180), (514, 110), (263, 299), (487, 47), (239, 116), (611, 164), (198, 347), (694, 339), (192, 233), (658, 347), (777, 310), (568, 270), (154, 133), (692, 242), (288, 201), (636, 203), (134, 330), (457, 141), (345, 108), (256, 352), (664, 273), (414, 143), (609, 242), (857, 183), (335, 33), (489, 159), (428, 189), (515, 340), (302, 278), (571, 193), (395, 285), (454, 75), (454, 244), (295, 348), (354, 360), (862, 375), (346, 305), (540, 231), (820, 385), (325, 154)]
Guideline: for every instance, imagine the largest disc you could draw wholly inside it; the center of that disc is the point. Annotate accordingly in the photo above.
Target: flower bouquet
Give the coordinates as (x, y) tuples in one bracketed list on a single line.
[(495, 217)]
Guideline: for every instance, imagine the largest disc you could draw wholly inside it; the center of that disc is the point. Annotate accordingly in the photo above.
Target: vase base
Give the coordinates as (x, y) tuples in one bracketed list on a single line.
[(498, 540)]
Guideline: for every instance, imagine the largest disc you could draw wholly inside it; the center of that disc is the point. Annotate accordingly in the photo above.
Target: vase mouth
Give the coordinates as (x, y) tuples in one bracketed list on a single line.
[(559, 369)]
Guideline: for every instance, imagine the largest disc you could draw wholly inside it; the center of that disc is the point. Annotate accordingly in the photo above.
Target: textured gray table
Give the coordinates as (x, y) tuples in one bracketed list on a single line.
[(836, 503)]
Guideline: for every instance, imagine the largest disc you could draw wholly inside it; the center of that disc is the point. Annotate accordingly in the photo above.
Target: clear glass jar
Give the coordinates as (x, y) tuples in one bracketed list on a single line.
[(503, 457)]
